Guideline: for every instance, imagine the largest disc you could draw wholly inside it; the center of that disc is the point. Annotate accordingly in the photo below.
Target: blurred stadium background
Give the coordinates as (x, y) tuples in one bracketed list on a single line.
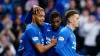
[(13, 12)]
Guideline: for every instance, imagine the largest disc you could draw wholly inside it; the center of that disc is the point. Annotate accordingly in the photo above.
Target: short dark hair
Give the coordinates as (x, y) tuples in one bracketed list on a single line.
[(54, 14), (70, 13), (36, 11)]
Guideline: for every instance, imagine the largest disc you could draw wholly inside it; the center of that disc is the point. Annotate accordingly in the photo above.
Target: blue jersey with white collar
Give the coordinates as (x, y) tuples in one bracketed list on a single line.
[(66, 45), (31, 36), (48, 33)]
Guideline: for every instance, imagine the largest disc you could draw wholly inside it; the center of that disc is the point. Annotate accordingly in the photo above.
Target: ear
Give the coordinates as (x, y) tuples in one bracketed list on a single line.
[(70, 19), (33, 16)]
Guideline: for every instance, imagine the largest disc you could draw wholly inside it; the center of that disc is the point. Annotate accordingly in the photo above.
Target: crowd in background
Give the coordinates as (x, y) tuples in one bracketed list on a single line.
[(13, 12)]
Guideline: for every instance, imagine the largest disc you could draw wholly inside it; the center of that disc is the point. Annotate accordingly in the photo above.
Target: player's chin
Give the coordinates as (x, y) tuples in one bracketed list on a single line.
[(77, 25), (41, 23), (55, 29)]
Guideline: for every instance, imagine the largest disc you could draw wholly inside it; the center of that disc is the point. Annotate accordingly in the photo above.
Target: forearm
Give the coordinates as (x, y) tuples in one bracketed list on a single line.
[(41, 48), (2, 32), (11, 35), (47, 47)]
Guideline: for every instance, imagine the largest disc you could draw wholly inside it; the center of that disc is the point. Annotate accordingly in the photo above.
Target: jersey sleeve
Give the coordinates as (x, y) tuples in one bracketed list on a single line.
[(62, 39), (21, 45), (33, 35), (63, 36)]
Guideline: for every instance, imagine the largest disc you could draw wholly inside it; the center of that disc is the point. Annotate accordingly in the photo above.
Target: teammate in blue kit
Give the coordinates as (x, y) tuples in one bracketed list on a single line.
[(66, 45), (32, 41), (21, 47), (52, 29)]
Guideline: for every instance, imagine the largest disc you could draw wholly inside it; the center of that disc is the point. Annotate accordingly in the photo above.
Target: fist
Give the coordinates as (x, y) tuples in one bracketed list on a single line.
[(53, 41)]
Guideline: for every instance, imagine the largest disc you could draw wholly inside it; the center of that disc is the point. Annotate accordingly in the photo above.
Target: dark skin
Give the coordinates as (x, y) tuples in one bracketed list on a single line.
[(55, 22), (37, 18)]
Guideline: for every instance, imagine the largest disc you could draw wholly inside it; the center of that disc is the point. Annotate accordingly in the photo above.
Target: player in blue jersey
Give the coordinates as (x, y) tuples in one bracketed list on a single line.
[(21, 47), (66, 45), (52, 29), (32, 40)]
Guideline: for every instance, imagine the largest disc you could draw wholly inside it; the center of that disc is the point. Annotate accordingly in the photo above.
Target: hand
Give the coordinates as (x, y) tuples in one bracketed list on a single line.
[(53, 41)]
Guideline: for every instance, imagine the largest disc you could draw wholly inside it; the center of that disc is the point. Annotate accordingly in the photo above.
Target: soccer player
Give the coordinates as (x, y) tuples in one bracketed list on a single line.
[(32, 40), (66, 45), (52, 29)]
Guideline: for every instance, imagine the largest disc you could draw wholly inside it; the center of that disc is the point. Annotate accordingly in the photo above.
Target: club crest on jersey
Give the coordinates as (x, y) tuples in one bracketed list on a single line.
[(34, 38), (61, 38)]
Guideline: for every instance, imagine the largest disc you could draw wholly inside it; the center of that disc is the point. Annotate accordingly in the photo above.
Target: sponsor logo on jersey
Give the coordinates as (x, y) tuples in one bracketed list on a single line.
[(61, 38), (34, 38)]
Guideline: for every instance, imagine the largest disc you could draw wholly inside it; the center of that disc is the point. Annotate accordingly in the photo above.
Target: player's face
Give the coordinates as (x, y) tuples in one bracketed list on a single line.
[(56, 23), (40, 18), (75, 20)]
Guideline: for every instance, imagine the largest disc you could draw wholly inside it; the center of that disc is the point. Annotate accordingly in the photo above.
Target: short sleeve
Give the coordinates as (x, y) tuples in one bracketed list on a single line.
[(63, 36), (62, 39), (21, 45), (32, 35)]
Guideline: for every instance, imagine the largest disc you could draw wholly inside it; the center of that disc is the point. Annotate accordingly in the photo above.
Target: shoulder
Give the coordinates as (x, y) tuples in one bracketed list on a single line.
[(30, 28), (46, 24), (64, 33), (61, 27), (64, 30), (22, 36)]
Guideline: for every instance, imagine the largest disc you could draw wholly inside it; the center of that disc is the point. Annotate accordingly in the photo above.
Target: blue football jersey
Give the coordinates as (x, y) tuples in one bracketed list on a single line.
[(66, 45), (48, 33), (21, 45), (31, 36)]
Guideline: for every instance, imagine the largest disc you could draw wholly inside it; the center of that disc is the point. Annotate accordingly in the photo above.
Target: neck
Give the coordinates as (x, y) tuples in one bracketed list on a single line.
[(70, 25), (33, 22)]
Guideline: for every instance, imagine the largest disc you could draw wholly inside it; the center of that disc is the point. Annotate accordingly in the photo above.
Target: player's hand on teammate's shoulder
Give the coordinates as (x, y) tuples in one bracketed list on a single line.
[(53, 41)]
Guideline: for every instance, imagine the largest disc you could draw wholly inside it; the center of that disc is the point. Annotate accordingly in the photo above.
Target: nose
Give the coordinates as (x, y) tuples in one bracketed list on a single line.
[(55, 24)]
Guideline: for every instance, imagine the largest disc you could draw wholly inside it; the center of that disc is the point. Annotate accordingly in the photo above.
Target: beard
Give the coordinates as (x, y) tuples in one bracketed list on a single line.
[(38, 23), (55, 29)]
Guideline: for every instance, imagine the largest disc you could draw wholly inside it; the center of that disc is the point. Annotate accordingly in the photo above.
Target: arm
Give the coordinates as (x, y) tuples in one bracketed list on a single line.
[(63, 36), (36, 42), (11, 35), (62, 39), (42, 49), (2, 32)]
